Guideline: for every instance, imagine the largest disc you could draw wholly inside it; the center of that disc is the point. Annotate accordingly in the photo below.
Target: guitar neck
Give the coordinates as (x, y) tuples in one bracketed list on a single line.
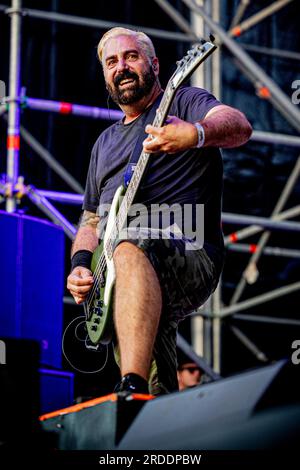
[(141, 165), (185, 68)]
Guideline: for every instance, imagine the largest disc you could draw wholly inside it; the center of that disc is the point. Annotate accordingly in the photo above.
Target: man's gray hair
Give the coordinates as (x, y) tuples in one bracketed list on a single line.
[(142, 39)]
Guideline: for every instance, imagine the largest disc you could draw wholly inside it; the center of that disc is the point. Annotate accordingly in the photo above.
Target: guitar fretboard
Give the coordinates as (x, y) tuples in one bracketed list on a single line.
[(139, 170), (186, 66)]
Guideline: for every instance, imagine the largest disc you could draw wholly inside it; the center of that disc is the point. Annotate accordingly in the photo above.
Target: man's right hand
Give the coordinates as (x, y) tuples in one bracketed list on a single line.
[(79, 283)]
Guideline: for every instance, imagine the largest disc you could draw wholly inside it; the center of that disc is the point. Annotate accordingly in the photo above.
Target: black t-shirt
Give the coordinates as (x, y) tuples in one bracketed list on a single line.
[(190, 177)]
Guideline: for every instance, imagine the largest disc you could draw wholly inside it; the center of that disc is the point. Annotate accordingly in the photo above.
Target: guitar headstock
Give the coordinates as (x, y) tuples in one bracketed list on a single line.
[(193, 58)]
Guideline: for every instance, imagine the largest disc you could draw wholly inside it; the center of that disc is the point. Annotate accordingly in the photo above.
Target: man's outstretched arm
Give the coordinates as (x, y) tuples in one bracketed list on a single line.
[(223, 127)]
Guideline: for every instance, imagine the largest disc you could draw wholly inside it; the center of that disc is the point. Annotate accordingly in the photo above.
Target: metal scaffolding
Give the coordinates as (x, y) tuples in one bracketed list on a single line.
[(12, 186)]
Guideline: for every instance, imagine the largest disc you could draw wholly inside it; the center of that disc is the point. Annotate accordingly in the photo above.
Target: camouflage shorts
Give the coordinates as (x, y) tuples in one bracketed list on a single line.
[(187, 278)]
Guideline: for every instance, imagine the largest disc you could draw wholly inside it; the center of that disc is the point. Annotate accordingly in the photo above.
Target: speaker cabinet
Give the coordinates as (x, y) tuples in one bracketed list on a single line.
[(32, 283), (56, 389)]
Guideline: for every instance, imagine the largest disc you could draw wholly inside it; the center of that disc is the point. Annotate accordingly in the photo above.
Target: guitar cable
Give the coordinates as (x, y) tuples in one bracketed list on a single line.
[(85, 341)]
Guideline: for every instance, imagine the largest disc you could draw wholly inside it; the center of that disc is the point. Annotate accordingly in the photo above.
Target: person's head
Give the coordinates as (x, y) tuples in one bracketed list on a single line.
[(188, 374), (130, 65)]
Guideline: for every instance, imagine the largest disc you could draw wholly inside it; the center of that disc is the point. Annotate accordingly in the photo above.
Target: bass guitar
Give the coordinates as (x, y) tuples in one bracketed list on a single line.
[(98, 305)]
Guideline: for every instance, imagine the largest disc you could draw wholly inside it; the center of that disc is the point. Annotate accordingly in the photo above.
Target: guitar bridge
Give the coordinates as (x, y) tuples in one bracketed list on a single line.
[(89, 345)]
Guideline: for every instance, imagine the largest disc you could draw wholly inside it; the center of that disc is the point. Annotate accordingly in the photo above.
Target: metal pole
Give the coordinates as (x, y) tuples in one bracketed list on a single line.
[(253, 229), (270, 224), (207, 336), (13, 132), (72, 108), (113, 114), (254, 19), (200, 332), (259, 299), (216, 298), (256, 73), (181, 22), (240, 12), (197, 334), (68, 198), (264, 319), (252, 264), (216, 329), (216, 58), (269, 251), (101, 24), (273, 52), (258, 353), (209, 75), (201, 77), (53, 214), (274, 138)]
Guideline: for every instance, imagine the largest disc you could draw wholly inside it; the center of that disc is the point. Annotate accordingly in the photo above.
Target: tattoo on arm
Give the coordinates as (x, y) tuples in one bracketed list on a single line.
[(86, 237), (89, 219), (226, 127)]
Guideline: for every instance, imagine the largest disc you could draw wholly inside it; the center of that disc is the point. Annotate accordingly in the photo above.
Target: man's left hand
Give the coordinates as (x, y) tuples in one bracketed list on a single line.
[(175, 136)]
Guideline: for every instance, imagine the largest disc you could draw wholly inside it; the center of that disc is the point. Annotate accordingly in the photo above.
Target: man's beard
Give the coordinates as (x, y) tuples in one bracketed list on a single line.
[(138, 90)]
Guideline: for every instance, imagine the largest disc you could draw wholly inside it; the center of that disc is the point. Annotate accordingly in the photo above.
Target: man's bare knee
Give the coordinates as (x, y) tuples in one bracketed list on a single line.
[(127, 252)]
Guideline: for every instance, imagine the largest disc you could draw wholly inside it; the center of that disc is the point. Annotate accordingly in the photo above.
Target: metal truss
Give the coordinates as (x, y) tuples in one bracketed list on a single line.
[(13, 189)]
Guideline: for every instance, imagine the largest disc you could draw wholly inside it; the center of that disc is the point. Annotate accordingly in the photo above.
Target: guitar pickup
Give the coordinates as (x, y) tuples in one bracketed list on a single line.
[(102, 280), (97, 293), (98, 311)]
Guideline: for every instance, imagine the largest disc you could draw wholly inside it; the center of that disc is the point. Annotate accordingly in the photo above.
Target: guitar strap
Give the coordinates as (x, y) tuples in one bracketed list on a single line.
[(150, 115)]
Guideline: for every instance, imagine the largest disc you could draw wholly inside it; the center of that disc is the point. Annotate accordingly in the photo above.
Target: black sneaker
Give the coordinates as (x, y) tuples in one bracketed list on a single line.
[(132, 383)]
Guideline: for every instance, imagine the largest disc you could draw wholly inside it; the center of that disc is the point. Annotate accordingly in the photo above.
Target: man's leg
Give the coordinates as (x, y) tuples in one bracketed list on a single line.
[(137, 308)]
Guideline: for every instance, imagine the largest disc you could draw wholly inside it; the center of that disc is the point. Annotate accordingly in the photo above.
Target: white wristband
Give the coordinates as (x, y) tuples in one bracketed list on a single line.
[(201, 135)]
